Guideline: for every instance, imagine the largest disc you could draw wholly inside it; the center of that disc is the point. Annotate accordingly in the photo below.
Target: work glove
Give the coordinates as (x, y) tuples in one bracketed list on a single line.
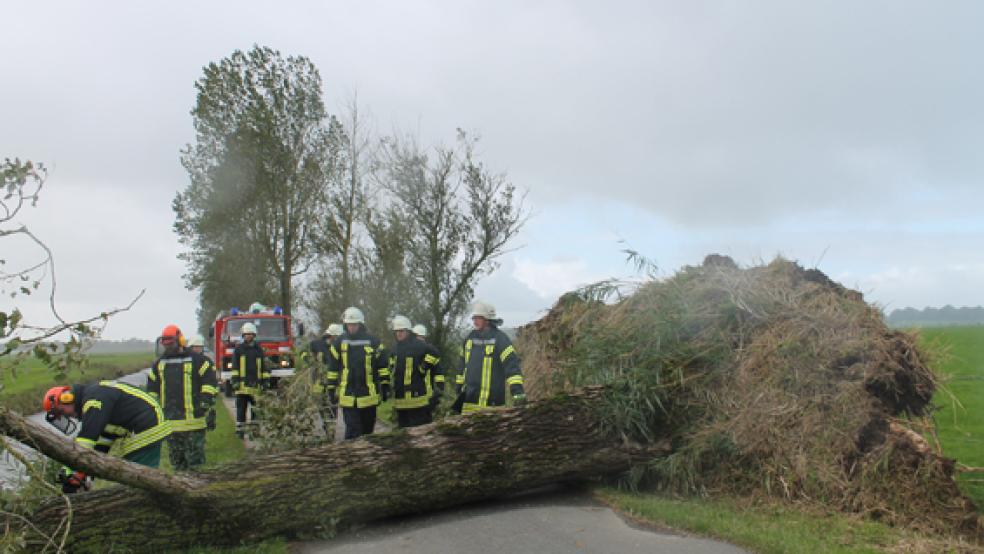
[(210, 419), (519, 399), (72, 481), (385, 392)]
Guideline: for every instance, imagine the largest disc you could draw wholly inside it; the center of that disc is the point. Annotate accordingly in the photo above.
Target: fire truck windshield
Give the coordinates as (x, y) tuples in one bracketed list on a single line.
[(271, 329)]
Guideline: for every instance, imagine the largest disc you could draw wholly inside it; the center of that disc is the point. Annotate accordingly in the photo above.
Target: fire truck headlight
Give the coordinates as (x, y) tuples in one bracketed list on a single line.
[(283, 363), (229, 365)]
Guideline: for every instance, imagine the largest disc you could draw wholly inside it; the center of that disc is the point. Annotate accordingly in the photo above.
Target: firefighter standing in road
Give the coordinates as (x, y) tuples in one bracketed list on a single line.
[(183, 382), (111, 413), (357, 374), (250, 376), (489, 364), (418, 381)]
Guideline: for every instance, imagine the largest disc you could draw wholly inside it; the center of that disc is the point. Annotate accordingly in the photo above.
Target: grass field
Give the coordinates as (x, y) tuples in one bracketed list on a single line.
[(960, 420), (23, 391)]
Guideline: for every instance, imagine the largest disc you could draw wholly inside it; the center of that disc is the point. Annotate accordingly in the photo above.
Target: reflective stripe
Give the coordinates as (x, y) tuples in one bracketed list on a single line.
[(87, 443), (332, 375), (505, 353), (467, 351), (439, 378), (515, 380), (459, 379), (407, 377), (205, 367), (189, 403), (483, 396), (187, 424), (132, 443), (115, 430), (431, 359), (209, 389), (345, 400), (162, 398), (370, 382), (97, 404), (152, 375)]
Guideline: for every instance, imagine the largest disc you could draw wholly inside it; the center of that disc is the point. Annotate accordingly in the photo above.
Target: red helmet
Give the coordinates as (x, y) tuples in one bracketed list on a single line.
[(57, 396), (170, 334)]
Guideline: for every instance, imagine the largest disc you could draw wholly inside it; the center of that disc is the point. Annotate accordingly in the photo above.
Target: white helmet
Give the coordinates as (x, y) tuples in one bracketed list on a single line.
[(483, 309), (197, 340), (353, 315), (334, 329), (256, 307), (401, 323), (248, 328), (420, 330)]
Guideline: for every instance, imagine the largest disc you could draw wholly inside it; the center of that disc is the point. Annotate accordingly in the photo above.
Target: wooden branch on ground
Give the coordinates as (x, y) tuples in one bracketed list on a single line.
[(315, 491)]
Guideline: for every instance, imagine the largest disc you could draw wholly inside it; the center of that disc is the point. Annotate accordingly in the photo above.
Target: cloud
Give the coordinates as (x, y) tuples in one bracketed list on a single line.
[(553, 278)]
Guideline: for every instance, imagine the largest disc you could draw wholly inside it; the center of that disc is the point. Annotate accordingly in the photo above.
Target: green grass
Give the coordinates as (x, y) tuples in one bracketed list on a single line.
[(22, 392), (765, 529), (960, 420)]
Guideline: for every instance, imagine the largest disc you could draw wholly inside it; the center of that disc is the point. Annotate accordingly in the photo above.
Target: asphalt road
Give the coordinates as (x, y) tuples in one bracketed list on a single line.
[(550, 522)]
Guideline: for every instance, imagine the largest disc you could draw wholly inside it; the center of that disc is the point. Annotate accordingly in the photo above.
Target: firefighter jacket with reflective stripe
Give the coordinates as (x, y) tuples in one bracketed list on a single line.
[(488, 364), (357, 366), (249, 369), (415, 370), (113, 412), (184, 384)]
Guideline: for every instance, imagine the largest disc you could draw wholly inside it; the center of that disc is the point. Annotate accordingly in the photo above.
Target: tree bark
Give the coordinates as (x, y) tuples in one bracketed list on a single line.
[(316, 491)]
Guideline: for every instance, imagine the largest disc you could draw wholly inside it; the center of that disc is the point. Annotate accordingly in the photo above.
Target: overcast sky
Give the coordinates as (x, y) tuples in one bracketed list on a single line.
[(846, 135)]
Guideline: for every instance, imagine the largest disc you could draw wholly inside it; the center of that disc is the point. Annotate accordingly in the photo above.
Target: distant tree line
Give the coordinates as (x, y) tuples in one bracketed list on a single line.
[(936, 317), (290, 205)]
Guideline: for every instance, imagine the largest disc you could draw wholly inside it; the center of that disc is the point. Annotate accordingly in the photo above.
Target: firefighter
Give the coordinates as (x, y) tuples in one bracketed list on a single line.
[(183, 382), (112, 414), (358, 376), (418, 381), (420, 331), (250, 376), (320, 350), (489, 364)]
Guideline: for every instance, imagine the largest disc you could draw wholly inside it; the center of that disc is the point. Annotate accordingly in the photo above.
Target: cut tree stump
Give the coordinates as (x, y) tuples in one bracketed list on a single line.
[(314, 492)]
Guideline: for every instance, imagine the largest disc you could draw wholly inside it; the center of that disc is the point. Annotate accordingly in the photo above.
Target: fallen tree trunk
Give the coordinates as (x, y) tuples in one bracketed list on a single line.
[(316, 491)]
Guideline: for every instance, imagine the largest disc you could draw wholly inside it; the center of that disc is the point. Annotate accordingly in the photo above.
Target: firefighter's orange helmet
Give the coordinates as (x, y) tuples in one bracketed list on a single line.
[(170, 334), (57, 396)]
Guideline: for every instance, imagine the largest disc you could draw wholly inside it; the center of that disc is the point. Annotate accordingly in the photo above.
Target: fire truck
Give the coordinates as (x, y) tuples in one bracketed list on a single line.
[(274, 333)]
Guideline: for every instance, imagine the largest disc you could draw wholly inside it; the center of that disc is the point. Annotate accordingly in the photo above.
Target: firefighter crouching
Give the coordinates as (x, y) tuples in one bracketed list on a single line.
[(250, 376), (489, 364), (417, 378), (183, 382), (358, 375), (111, 413)]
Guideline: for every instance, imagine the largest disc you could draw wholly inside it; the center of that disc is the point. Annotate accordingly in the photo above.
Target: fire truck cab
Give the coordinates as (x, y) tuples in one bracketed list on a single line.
[(274, 333)]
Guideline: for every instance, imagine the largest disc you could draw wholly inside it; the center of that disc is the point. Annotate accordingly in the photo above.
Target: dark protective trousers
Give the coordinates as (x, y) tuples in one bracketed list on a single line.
[(414, 416), (359, 421), (186, 449), (242, 402)]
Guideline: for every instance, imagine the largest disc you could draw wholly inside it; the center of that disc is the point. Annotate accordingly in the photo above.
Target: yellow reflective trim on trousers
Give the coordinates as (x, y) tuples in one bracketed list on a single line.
[(505, 353), (515, 380), (189, 403), (408, 403), (89, 404), (483, 396)]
